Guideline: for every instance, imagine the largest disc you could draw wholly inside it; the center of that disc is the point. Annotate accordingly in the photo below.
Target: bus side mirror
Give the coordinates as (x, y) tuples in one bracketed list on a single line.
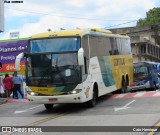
[(18, 60), (81, 57)]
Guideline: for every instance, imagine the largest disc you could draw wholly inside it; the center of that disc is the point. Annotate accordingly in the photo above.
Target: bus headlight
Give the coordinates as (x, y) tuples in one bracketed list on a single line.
[(75, 91), (32, 93)]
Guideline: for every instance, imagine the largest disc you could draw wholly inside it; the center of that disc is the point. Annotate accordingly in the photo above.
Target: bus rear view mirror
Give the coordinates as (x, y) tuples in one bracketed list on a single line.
[(18, 60), (81, 57)]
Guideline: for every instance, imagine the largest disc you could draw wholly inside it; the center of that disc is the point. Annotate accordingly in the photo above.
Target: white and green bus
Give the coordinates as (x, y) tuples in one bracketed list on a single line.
[(76, 66)]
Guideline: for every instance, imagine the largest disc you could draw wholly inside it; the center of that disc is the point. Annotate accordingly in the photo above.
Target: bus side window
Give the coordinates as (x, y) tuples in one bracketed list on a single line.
[(85, 46), (114, 52), (110, 52)]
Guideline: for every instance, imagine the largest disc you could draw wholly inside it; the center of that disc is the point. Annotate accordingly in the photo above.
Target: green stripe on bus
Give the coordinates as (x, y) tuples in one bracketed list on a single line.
[(106, 71), (65, 88), (59, 89)]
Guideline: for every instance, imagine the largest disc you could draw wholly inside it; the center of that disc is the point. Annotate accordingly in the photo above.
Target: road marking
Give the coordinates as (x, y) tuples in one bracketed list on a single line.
[(22, 111), (154, 127), (124, 107), (139, 94), (39, 122), (46, 119), (121, 95), (157, 94)]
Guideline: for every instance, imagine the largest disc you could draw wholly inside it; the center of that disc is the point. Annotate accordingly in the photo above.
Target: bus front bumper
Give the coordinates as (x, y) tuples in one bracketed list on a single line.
[(72, 98), (139, 87)]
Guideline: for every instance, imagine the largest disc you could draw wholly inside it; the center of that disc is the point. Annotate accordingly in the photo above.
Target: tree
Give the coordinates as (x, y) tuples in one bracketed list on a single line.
[(152, 18)]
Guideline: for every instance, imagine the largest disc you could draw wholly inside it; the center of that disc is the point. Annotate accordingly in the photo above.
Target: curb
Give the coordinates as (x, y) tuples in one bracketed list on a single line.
[(17, 100), (3, 100)]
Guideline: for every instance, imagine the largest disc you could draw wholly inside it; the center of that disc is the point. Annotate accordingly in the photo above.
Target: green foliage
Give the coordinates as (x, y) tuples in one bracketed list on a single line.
[(152, 18)]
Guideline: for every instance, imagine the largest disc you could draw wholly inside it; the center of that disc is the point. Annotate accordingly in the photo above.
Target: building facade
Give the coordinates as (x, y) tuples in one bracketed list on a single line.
[(145, 42)]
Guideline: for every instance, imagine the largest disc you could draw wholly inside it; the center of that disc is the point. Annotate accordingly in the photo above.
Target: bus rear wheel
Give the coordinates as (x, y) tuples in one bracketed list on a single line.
[(49, 107), (124, 88)]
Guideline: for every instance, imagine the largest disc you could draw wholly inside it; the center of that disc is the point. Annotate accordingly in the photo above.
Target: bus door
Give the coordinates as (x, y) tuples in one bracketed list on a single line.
[(153, 75)]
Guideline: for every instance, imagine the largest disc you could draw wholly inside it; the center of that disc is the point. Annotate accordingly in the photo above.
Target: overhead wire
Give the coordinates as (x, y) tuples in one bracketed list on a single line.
[(130, 22), (121, 24), (72, 17)]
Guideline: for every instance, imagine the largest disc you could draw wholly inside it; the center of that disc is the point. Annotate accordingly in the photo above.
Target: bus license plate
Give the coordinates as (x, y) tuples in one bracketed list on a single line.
[(53, 99)]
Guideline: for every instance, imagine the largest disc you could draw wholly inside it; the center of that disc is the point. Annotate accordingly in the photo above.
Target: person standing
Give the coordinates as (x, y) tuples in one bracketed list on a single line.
[(7, 81), (17, 82), (13, 91)]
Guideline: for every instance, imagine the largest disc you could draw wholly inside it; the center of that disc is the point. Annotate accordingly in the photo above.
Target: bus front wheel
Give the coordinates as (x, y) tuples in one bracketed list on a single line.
[(154, 86), (49, 107), (92, 102)]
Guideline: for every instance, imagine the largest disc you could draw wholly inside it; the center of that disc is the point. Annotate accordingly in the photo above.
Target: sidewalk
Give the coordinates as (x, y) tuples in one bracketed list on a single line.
[(10, 100), (3, 100)]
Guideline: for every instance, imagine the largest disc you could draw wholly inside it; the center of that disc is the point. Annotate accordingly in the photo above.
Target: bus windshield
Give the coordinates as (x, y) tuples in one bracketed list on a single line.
[(140, 73), (54, 45), (53, 63)]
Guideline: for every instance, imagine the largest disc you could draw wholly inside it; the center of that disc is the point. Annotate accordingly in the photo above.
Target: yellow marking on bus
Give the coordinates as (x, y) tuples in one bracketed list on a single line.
[(45, 90)]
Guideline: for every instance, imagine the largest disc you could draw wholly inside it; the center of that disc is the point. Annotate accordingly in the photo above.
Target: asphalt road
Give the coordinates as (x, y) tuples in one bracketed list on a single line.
[(135, 110)]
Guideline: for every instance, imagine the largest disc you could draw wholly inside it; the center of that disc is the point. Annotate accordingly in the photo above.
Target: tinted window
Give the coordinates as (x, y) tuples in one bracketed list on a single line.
[(55, 45)]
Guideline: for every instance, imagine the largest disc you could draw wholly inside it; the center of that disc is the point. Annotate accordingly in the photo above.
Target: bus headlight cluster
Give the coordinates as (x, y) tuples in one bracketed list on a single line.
[(32, 93), (75, 91)]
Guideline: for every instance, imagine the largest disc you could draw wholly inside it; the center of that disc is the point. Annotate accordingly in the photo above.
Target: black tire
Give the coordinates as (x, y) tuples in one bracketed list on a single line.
[(124, 88), (92, 102), (49, 107), (154, 86), (127, 80)]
